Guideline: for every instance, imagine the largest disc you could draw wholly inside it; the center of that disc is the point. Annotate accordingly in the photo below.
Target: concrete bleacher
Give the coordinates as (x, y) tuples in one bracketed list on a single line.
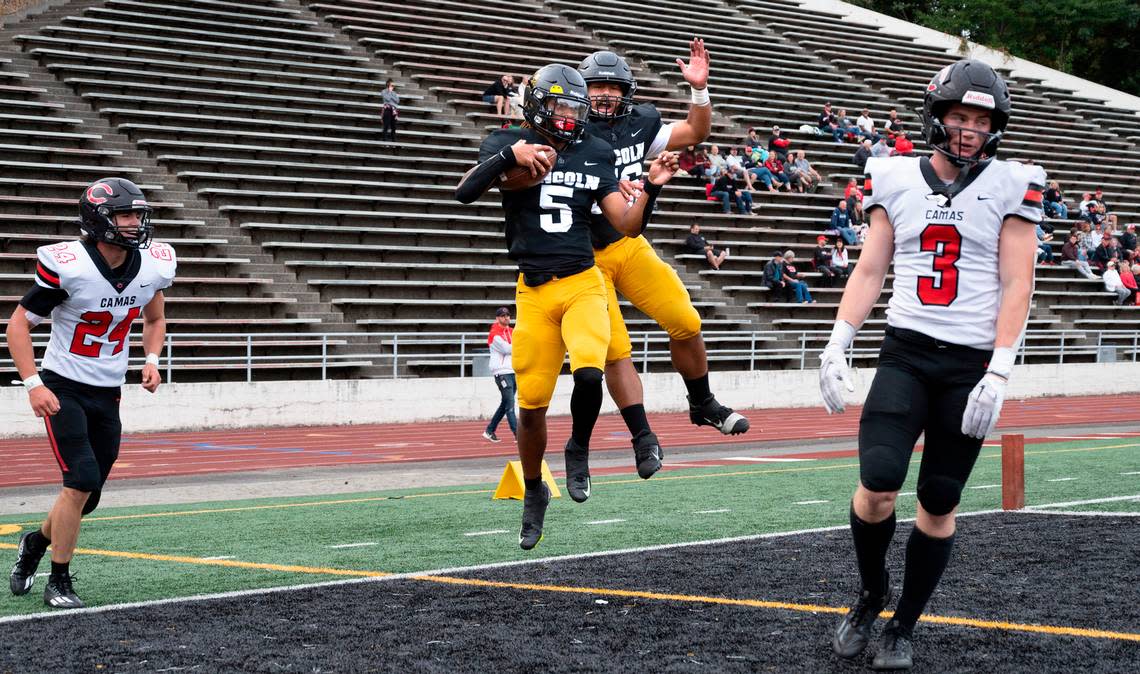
[(262, 119)]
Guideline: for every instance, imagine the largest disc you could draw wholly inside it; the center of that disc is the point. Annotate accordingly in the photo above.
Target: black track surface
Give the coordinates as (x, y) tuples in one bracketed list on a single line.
[(1071, 571)]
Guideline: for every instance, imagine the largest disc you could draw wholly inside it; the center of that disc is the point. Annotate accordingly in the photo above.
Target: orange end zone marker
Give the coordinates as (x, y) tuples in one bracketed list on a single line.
[(1012, 472)]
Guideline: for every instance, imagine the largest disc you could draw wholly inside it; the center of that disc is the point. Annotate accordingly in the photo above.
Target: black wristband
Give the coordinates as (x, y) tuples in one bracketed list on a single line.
[(651, 190)]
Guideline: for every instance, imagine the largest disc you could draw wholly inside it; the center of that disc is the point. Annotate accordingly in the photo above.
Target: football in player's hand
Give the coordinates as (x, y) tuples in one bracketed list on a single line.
[(521, 177)]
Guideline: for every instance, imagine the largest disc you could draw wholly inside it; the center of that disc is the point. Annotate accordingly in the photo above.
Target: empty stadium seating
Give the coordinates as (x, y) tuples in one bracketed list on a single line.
[(254, 126)]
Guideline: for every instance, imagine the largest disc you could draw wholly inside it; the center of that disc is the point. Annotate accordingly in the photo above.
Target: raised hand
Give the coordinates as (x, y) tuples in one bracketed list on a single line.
[(696, 72)]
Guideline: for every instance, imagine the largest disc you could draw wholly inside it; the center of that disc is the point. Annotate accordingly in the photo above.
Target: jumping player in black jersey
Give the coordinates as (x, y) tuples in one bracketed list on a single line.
[(560, 296), (632, 268)]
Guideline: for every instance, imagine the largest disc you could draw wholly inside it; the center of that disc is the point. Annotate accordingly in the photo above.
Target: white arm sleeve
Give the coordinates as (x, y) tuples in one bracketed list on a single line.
[(661, 141)]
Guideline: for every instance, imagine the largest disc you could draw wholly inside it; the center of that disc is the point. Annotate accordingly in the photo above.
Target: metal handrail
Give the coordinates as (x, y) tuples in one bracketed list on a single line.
[(463, 349)]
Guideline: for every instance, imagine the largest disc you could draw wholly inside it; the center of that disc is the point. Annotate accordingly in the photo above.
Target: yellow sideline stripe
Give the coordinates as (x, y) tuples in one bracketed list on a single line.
[(467, 492), (1056, 630), (232, 563)]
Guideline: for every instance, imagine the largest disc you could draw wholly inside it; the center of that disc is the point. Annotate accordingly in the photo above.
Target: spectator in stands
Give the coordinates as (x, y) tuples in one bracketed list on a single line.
[(1054, 202), (791, 277), (752, 139), (851, 193), (1128, 241), (1073, 255), (687, 163), (1091, 210), (499, 341), (778, 144), (1044, 248), (1098, 197), (841, 223), (855, 209), (1114, 284), (903, 145), (1088, 239), (776, 167), (867, 126), (1129, 281), (806, 173), (1135, 269), (499, 95), (893, 125), (716, 160), (754, 163), (726, 189), (1107, 251), (391, 111), (862, 154), (880, 148), (1110, 224), (774, 278), (840, 262), (735, 165), (698, 245), (702, 166), (828, 124), (821, 259), (847, 126)]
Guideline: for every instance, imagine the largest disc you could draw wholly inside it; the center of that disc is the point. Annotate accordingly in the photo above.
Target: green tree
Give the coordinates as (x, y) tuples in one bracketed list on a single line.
[(1098, 40)]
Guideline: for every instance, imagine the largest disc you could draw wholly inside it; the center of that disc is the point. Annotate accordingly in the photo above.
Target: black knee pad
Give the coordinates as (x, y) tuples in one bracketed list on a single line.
[(880, 468), (92, 501), (589, 376), (939, 495)]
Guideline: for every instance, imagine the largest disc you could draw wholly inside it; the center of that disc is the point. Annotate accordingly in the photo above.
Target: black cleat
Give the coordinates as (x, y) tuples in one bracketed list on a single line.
[(24, 570), (712, 413), (895, 651), (534, 513), (577, 471), (60, 594), (647, 452), (854, 631)]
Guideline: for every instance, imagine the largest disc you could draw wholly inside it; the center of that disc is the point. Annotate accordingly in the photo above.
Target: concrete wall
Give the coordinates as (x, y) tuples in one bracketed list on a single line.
[(953, 45), (234, 405)]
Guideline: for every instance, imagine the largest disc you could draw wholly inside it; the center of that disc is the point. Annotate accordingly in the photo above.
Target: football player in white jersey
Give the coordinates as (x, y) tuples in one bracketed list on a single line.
[(959, 227), (93, 289)]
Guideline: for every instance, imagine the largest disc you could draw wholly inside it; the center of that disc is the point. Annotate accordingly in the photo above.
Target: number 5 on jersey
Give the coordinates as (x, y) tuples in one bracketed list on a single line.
[(946, 243), (547, 203)]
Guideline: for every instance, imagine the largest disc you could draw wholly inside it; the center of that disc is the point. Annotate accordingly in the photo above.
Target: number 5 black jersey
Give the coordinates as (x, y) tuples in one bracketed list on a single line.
[(548, 225)]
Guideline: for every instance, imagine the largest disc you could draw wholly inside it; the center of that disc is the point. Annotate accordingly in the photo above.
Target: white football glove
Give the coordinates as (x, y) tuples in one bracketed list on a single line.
[(983, 407), (834, 375)]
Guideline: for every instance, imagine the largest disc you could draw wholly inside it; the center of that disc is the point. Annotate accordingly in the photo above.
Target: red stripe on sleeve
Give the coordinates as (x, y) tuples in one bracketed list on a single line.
[(48, 274), (1033, 195), (867, 185)]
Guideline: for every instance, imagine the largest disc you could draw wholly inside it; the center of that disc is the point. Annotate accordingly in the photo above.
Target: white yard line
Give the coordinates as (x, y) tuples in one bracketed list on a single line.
[(487, 533), (351, 545)]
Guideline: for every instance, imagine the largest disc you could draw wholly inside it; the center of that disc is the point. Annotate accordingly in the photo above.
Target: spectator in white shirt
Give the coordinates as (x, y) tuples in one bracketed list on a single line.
[(499, 340), (867, 125), (1113, 284)]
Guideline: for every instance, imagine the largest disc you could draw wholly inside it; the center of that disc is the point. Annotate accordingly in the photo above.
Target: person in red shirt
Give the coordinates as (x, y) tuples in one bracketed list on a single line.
[(779, 145), (1129, 281), (903, 145), (776, 167)]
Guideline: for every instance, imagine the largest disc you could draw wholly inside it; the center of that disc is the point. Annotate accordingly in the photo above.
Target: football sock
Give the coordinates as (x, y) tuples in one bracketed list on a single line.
[(635, 420), (59, 569), (698, 389), (871, 544), (926, 559), (585, 403), (532, 483)]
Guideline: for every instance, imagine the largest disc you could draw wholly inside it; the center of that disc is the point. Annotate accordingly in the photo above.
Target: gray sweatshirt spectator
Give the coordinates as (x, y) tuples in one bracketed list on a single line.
[(391, 112)]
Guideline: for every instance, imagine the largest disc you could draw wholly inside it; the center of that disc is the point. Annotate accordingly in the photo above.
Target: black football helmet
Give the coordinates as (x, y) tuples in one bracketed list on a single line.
[(968, 82), (606, 66), (556, 103), (105, 198)]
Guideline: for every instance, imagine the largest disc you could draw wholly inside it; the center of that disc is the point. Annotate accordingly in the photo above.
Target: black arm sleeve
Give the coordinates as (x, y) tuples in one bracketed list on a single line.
[(40, 301), (480, 180)]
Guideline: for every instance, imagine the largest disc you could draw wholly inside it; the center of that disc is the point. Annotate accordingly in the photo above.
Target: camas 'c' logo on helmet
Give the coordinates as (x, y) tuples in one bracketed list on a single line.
[(99, 187)]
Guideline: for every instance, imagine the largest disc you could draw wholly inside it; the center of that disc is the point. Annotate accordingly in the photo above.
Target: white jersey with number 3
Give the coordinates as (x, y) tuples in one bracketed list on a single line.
[(90, 329), (946, 257)]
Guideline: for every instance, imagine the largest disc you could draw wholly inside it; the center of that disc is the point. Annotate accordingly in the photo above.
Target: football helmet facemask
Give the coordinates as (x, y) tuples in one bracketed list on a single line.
[(106, 198), (968, 82), (556, 103), (607, 66)]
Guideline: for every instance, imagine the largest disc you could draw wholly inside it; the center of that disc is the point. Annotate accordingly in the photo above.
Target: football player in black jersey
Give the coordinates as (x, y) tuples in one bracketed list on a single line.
[(560, 296), (631, 267)]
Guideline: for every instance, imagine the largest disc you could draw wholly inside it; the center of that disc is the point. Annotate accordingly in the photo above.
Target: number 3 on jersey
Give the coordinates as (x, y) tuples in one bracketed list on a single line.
[(546, 202), (946, 243)]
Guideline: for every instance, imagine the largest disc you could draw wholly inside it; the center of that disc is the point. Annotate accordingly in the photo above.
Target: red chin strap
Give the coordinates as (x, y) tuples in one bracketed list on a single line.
[(565, 123)]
